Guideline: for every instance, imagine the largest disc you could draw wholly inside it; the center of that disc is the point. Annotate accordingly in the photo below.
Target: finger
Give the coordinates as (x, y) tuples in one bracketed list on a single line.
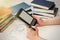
[(27, 27), (36, 17), (36, 25), (39, 20), (35, 28)]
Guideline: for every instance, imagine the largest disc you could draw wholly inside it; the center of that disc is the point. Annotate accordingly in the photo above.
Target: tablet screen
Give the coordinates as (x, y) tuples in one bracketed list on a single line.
[(26, 17)]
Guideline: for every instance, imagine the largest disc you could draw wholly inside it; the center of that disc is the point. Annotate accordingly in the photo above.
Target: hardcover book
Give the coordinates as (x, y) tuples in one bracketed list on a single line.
[(51, 11), (17, 7), (42, 4)]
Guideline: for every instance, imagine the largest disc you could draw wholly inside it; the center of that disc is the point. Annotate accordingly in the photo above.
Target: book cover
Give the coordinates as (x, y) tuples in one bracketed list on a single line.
[(42, 4), (17, 7)]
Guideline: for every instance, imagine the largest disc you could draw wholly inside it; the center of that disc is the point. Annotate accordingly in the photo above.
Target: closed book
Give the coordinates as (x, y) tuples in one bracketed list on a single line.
[(43, 17), (17, 7), (4, 15), (43, 10), (44, 14), (42, 4), (6, 22), (4, 12), (4, 18), (6, 25)]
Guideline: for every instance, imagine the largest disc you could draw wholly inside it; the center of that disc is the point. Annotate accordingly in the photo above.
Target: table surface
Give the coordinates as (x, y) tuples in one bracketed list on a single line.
[(17, 30)]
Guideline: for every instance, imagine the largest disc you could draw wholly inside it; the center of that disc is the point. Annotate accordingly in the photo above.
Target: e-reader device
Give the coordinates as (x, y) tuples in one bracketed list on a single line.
[(26, 17)]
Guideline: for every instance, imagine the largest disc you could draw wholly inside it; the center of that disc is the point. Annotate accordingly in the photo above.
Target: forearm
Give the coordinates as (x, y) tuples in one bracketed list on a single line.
[(53, 21)]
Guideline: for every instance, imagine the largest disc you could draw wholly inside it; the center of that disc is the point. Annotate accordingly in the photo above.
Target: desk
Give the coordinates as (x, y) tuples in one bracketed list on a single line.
[(17, 30)]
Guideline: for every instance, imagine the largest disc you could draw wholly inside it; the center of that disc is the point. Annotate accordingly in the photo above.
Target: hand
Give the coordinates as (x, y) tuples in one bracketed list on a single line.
[(33, 35), (39, 21), (51, 21)]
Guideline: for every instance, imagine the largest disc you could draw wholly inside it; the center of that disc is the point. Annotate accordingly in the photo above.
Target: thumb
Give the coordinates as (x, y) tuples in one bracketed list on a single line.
[(35, 28), (39, 20)]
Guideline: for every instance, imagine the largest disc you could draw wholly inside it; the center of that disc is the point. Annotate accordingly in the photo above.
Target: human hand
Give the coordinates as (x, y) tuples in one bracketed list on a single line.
[(33, 35), (39, 21)]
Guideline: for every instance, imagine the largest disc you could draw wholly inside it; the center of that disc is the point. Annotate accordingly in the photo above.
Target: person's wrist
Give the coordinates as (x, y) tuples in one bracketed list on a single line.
[(37, 38), (40, 38)]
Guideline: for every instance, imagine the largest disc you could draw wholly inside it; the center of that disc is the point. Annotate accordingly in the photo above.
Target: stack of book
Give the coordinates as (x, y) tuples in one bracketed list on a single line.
[(5, 18), (44, 9)]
